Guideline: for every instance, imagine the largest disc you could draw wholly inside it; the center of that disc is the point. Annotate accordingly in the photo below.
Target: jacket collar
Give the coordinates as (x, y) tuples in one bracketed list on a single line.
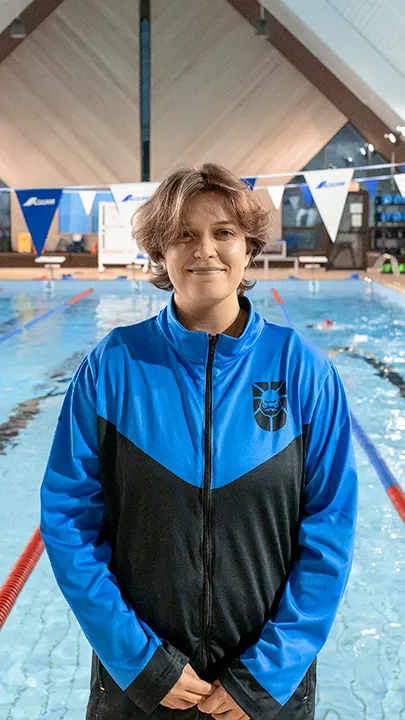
[(194, 344)]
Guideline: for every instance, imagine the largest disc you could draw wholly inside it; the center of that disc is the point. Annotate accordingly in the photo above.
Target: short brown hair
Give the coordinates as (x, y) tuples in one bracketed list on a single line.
[(159, 219)]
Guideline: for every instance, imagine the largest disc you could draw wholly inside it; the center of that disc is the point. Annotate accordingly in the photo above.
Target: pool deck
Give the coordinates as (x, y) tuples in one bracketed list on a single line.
[(392, 281)]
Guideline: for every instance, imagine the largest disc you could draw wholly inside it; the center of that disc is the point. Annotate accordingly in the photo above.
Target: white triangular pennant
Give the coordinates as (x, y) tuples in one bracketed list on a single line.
[(276, 193), (87, 198), (133, 192), (329, 189), (400, 181)]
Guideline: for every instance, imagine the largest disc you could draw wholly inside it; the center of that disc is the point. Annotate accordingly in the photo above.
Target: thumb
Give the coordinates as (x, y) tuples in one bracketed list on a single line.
[(190, 671)]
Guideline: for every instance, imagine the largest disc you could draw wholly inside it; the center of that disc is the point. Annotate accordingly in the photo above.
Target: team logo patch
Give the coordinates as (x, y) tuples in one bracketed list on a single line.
[(269, 404)]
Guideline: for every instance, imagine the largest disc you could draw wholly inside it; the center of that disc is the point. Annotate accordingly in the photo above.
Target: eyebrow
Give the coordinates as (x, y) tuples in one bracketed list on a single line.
[(220, 222), (225, 222)]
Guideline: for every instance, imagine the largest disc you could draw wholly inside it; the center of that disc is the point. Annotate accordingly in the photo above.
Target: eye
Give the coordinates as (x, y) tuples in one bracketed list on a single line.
[(225, 233)]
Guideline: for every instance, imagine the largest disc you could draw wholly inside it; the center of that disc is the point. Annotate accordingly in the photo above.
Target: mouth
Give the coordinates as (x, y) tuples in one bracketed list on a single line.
[(206, 271)]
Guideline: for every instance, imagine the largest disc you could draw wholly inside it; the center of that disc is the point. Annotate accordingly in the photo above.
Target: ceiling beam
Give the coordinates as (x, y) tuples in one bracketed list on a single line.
[(32, 17), (359, 115)]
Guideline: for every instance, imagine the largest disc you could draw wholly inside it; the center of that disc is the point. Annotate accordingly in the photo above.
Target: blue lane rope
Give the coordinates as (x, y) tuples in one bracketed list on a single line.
[(31, 323), (392, 486)]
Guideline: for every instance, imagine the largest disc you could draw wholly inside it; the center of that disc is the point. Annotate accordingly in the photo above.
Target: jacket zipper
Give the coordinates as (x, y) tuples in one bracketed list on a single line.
[(100, 676), (207, 540)]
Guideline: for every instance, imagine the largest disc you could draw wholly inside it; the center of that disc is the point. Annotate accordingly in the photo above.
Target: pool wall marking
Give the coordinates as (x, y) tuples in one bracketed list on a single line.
[(393, 488), (31, 323)]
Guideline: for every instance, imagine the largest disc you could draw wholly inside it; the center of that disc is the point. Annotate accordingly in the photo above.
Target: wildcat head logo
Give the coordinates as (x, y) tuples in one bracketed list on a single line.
[(269, 404)]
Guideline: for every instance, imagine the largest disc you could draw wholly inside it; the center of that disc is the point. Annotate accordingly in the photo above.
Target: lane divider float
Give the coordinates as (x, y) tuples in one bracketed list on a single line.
[(31, 323), (391, 485)]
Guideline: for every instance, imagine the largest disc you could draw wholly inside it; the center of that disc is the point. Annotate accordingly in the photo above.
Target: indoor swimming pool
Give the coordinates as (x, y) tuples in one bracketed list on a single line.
[(44, 658)]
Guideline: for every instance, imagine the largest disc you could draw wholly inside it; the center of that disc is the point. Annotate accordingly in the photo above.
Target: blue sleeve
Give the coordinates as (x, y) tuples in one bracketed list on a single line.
[(264, 678), (72, 511)]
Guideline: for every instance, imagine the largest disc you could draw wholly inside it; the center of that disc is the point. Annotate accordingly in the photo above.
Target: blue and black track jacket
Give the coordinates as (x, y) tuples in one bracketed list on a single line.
[(199, 506)]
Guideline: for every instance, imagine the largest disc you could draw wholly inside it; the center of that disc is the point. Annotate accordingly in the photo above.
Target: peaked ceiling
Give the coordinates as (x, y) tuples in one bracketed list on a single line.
[(343, 48)]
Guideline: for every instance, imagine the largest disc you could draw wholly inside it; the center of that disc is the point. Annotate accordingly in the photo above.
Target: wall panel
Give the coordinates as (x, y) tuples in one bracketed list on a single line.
[(69, 97), (222, 93)]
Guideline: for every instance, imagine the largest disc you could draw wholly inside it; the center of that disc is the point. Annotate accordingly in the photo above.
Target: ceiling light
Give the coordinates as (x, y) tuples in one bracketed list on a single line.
[(391, 137), (18, 29), (371, 147), (363, 151), (401, 129)]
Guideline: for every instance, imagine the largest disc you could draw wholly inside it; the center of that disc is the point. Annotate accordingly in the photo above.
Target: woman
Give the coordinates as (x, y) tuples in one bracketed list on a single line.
[(199, 503)]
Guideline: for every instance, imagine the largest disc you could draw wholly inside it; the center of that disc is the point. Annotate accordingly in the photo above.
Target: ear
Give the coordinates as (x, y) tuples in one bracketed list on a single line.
[(248, 253)]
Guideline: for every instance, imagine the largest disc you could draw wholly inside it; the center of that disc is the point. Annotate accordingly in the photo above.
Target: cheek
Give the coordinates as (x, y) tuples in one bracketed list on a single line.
[(237, 254), (175, 259)]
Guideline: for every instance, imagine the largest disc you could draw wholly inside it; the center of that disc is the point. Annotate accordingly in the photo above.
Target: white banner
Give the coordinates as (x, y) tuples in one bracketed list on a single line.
[(276, 193), (400, 181), (329, 189), (87, 198), (133, 192)]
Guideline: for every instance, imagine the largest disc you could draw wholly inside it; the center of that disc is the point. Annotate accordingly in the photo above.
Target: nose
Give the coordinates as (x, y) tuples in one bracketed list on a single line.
[(205, 247)]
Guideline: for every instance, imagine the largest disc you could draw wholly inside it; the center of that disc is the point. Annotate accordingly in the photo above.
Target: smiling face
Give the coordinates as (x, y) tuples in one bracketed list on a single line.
[(206, 263)]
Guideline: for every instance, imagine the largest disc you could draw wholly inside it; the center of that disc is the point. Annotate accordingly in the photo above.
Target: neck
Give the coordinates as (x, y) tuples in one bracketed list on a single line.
[(225, 317)]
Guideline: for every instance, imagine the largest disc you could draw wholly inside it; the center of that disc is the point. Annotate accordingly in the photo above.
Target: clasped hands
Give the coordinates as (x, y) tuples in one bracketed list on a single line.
[(214, 700)]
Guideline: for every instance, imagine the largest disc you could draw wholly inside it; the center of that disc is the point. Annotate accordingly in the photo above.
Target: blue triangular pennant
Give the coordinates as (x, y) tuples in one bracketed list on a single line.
[(307, 195), (250, 182), (39, 208), (371, 186)]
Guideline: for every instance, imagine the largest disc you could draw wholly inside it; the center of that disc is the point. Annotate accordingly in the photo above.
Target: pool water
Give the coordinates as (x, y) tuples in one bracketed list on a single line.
[(44, 657)]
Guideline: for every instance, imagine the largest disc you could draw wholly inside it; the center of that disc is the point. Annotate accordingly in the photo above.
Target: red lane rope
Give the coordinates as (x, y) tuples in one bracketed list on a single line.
[(276, 296), (397, 497), (19, 575), (76, 298)]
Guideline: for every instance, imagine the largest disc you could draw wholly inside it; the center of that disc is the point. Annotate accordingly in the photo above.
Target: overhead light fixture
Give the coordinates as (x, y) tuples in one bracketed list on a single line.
[(261, 27), (363, 151), (401, 129), (371, 147), (18, 29), (391, 137)]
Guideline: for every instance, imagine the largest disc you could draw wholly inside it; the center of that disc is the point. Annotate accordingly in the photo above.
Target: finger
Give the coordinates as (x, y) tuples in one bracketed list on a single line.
[(177, 704), (193, 697), (190, 671), (194, 685), (234, 714), (214, 701)]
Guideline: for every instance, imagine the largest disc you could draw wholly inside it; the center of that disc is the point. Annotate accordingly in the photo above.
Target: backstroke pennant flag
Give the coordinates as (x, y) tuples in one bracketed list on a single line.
[(400, 181), (39, 208), (250, 182), (371, 186), (276, 193), (329, 189), (306, 194), (87, 198)]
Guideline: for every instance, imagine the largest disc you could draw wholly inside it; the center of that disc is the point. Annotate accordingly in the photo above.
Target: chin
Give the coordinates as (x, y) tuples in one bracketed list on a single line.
[(208, 295)]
